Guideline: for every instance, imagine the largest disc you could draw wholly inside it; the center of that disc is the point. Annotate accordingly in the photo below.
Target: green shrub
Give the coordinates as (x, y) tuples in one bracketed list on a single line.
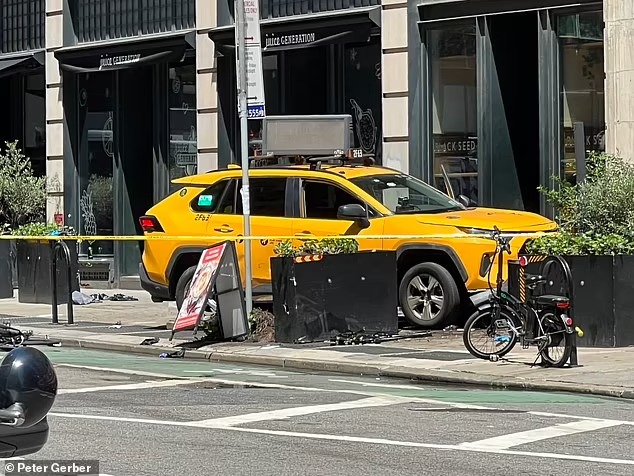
[(325, 246), (595, 216), (22, 194)]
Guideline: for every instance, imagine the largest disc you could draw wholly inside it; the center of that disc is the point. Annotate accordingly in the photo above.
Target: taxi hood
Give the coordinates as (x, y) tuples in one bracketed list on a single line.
[(486, 218)]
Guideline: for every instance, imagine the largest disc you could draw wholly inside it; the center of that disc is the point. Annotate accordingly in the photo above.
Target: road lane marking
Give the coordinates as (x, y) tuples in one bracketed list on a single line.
[(122, 371), (131, 386), (277, 386), (510, 440), (351, 439), (413, 444), (254, 373), (286, 413)]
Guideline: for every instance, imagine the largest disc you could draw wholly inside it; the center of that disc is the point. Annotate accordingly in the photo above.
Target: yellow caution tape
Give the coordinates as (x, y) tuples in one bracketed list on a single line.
[(163, 237)]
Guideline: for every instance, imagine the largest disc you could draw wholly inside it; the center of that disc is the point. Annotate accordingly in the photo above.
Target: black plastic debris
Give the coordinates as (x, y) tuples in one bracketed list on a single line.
[(173, 355), (150, 341)]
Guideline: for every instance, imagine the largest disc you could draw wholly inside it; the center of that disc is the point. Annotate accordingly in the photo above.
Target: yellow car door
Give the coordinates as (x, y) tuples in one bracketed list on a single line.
[(319, 204), (269, 218)]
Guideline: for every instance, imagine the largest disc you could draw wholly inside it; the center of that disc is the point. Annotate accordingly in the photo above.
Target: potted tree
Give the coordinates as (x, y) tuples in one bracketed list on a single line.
[(23, 198), (596, 239), (326, 287)]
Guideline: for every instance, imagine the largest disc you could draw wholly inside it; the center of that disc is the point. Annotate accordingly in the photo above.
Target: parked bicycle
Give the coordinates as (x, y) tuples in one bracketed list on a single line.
[(542, 321)]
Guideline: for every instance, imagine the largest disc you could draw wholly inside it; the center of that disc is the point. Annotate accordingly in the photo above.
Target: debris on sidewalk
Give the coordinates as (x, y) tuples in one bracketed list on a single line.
[(116, 325), (173, 355), (151, 341), (82, 299)]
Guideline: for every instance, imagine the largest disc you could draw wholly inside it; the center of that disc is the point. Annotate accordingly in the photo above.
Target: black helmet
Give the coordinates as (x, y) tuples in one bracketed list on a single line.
[(27, 378)]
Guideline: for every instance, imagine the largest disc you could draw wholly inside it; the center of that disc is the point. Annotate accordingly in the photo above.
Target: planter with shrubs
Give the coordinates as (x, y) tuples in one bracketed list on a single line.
[(327, 287)]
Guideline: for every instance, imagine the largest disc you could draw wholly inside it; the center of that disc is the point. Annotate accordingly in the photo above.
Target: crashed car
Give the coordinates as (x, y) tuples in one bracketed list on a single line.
[(28, 388)]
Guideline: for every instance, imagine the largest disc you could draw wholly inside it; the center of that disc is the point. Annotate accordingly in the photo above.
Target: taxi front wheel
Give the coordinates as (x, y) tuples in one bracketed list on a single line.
[(182, 285), (428, 295)]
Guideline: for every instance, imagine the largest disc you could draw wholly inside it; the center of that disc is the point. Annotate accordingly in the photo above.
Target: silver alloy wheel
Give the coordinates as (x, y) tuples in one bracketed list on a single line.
[(425, 297)]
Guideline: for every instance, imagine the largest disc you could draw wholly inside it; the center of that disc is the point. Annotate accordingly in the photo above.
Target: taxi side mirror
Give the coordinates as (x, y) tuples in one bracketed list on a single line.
[(354, 212)]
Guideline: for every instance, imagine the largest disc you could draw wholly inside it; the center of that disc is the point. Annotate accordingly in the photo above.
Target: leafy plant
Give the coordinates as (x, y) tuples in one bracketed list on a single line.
[(323, 246), (43, 229), (22, 194), (595, 216)]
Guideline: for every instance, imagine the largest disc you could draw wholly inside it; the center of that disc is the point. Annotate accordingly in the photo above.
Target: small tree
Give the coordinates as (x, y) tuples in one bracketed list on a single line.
[(596, 216), (22, 194)]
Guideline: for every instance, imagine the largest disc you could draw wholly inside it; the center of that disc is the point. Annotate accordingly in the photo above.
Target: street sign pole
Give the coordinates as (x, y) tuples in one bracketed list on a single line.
[(241, 58)]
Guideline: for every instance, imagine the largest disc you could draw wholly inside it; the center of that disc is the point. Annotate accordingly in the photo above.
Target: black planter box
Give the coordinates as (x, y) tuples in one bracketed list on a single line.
[(318, 300), (34, 261), (6, 259), (602, 295)]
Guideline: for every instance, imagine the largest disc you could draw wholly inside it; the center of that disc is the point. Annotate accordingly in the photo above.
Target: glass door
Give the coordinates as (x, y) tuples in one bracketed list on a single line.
[(580, 38), (452, 57), (95, 101)]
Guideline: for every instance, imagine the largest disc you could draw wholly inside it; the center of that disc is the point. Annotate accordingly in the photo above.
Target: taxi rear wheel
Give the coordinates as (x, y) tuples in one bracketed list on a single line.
[(428, 295), (182, 285)]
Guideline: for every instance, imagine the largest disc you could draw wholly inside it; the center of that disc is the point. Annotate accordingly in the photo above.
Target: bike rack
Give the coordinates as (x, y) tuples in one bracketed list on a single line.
[(61, 245), (574, 360)]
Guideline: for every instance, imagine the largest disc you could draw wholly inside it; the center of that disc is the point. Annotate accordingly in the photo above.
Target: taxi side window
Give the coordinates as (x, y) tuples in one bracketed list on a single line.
[(322, 200), (208, 200), (267, 196)]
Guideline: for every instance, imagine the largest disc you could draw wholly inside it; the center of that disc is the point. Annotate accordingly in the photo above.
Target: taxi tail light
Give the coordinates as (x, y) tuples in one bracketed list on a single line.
[(150, 224)]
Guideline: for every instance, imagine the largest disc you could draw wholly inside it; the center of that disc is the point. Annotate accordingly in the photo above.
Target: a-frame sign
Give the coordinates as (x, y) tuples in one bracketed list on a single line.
[(217, 275)]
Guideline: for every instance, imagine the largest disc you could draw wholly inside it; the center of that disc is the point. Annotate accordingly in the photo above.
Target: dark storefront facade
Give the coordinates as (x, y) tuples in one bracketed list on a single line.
[(22, 79), (318, 58), (502, 87), (129, 79)]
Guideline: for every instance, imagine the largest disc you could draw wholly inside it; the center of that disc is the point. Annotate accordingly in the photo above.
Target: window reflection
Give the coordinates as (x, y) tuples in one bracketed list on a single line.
[(582, 86), (96, 126), (182, 122), (455, 141), (35, 121)]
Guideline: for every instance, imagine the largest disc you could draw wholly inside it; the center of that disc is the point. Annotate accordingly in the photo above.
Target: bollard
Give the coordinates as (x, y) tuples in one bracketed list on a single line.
[(61, 245)]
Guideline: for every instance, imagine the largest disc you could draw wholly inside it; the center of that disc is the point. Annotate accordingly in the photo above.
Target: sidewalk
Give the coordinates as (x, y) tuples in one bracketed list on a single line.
[(439, 358)]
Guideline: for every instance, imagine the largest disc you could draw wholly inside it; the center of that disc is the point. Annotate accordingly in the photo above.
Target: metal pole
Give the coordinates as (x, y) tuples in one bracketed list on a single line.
[(240, 27)]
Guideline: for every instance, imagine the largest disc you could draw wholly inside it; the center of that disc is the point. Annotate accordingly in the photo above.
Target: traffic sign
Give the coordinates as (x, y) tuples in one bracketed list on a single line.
[(255, 76)]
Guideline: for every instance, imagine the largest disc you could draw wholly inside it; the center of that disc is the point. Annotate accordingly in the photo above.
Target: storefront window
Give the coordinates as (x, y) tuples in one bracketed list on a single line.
[(182, 122), (95, 94), (362, 79), (582, 88), (35, 121), (453, 77)]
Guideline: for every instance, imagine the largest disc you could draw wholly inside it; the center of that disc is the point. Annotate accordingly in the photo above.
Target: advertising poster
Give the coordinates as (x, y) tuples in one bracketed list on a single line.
[(196, 298)]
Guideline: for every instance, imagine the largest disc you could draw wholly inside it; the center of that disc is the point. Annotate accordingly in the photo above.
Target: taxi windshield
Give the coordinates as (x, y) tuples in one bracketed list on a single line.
[(403, 193)]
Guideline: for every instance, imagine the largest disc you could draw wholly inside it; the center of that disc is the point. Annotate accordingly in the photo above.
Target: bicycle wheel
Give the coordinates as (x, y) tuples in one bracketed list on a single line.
[(496, 334), (557, 347)]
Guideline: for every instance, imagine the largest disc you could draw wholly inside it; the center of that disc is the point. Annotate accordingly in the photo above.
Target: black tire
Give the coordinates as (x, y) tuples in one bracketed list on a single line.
[(558, 327), (485, 315), (183, 285), (448, 287)]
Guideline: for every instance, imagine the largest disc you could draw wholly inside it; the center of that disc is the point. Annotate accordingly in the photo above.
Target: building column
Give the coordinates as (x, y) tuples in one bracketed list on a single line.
[(206, 87), (394, 72), (619, 77), (54, 110)]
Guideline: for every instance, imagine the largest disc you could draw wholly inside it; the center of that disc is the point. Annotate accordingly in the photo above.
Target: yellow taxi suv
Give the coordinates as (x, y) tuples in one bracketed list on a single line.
[(435, 275)]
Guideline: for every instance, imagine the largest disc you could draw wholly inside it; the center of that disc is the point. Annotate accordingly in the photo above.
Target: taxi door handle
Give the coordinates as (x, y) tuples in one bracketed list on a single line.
[(303, 235), (224, 229)]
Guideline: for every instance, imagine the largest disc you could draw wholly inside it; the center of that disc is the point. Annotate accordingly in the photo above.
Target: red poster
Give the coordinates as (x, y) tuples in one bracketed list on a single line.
[(196, 298)]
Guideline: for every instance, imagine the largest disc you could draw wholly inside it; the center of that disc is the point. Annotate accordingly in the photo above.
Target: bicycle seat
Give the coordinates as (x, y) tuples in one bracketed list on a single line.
[(551, 300), (534, 279)]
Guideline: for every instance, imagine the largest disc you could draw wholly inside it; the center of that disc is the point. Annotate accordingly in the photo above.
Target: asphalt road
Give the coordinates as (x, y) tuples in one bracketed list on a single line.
[(149, 416)]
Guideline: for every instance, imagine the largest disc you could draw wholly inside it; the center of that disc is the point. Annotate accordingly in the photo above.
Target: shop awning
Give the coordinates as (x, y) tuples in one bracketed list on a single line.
[(307, 31), (16, 64), (125, 53)]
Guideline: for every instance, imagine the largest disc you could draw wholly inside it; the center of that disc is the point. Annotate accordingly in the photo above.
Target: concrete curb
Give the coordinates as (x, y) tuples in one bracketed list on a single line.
[(437, 376)]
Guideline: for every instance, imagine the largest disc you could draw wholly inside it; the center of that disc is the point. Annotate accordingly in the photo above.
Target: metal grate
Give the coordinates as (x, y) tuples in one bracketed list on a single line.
[(22, 23), (94, 275), (96, 20), (285, 8)]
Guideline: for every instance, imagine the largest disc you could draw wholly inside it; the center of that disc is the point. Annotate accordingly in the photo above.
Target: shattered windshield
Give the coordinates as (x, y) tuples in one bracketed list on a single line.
[(403, 193)]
